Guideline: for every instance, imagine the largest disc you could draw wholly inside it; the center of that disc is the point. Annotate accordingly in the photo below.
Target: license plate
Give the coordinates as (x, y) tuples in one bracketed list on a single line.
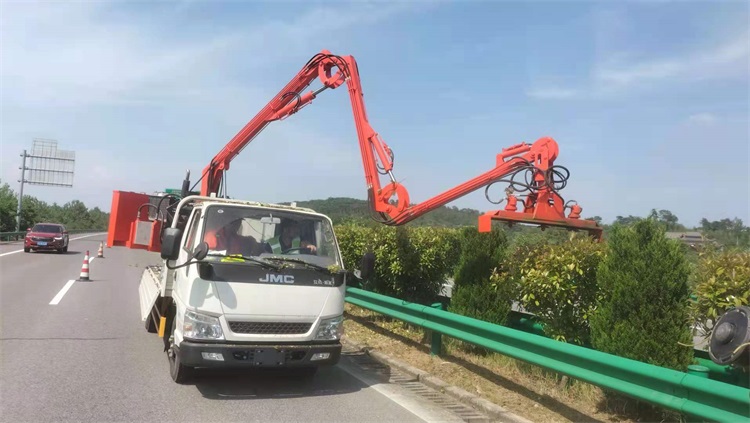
[(269, 357), (42, 243)]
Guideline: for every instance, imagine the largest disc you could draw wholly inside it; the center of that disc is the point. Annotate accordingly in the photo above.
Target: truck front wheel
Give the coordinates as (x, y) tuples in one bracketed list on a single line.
[(179, 372)]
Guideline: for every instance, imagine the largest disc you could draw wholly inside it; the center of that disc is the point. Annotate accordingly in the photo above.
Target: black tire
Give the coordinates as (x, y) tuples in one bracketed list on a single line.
[(26, 250), (308, 372), (151, 325), (179, 372)]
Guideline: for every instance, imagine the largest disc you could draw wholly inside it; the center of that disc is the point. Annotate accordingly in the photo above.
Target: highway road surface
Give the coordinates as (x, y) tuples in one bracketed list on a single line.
[(78, 351)]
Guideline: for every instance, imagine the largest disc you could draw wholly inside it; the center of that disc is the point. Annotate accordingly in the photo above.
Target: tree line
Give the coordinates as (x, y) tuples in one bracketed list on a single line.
[(73, 214), (343, 210)]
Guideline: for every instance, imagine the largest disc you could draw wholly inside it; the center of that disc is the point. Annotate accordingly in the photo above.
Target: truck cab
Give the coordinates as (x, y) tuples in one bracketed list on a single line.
[(247, 284)]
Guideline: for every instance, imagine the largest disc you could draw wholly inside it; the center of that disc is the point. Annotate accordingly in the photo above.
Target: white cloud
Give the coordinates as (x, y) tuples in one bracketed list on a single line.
[(703, 118), (619, 70), (729, 59), (552, 92)]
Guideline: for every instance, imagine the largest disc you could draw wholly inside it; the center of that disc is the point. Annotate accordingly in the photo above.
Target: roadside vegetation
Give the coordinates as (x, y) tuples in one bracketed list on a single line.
[(73, 214), (638, 294)]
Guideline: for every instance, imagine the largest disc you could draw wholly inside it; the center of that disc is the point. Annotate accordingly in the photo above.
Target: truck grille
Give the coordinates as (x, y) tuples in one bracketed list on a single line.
[(270, 328)]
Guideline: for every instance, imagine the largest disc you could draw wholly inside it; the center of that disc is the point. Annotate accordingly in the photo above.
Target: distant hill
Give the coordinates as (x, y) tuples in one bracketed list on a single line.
[(343, 209)]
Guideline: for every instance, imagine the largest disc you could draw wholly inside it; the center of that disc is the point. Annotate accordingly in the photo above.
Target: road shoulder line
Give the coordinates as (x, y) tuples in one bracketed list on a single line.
[(495, 411)]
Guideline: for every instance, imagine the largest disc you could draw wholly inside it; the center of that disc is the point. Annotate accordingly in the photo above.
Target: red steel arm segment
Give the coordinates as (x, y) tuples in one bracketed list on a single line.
[(285, 103)]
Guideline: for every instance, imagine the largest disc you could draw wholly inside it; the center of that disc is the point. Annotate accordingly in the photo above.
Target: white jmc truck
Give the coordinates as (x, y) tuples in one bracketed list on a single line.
[(247, 284)]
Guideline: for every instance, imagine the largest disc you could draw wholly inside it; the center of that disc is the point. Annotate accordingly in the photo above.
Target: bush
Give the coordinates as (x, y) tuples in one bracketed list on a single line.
[(557, 282), (644, 311), (474, 295), (723, 282), (481, 252), (411, 262)]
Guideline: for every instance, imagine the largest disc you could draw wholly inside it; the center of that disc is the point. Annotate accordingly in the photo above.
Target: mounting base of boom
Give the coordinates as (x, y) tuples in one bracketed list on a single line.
[(512, 218)]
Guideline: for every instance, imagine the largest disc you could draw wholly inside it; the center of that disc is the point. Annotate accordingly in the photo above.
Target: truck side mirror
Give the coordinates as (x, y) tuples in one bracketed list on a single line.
[(367, 265), (201, 251), (170, 245)]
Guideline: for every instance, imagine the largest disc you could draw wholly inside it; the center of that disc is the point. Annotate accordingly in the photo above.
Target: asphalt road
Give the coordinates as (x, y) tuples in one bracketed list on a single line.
[(79, 351)]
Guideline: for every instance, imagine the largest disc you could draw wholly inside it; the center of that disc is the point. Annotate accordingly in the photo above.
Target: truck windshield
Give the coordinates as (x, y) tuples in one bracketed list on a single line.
[(54, 229), (247, 231)]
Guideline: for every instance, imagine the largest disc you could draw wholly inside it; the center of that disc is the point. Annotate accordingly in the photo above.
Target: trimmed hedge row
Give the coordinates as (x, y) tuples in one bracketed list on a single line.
[(628, 295)]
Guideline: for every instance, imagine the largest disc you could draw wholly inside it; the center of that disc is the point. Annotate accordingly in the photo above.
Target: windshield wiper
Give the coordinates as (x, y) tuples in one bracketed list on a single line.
[(260, 261), (300, 261)]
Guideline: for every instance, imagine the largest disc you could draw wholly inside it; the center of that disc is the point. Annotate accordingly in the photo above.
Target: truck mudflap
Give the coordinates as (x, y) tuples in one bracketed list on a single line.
[(198, 354), (148, 290)]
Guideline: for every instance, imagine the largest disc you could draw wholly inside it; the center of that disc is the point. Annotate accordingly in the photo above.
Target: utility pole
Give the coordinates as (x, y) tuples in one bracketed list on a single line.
[(20, 192)]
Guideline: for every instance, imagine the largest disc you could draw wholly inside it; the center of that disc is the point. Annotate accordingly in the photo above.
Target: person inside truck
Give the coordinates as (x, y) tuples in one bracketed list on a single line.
[(289, 238), (229, 238)]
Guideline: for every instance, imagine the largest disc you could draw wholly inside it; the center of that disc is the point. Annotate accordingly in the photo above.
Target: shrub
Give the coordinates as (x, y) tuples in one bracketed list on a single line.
[(481, 252), (411, 262), (723, 282), (643, 312), (557, 282), (474, 294)]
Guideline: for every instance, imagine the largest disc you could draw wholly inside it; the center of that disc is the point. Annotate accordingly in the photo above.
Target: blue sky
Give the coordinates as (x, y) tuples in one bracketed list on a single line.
[(648, 100)]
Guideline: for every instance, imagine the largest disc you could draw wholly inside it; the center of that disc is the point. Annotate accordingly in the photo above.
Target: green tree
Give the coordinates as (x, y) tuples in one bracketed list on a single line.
[(644, 310), (558, 284), (727, 232), (8, 205), (474, 294), (627, 220), (480, 254)]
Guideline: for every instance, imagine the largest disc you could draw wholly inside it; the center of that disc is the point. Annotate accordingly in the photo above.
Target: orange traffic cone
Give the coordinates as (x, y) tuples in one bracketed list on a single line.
[(101, 250), (85, 269)]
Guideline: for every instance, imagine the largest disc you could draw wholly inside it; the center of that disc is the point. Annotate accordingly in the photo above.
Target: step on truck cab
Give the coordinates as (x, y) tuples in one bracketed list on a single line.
[(247, 284)]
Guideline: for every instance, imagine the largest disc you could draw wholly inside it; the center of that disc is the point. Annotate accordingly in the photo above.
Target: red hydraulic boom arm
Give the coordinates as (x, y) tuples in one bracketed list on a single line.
[(542, 206)]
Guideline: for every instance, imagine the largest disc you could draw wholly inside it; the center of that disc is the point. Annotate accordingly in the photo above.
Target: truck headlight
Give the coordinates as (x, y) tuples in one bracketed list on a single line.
[(330, 329), (200, 326)]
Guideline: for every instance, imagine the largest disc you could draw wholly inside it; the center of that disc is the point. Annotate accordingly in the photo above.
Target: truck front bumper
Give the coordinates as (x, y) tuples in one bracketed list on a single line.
[(199, 354)]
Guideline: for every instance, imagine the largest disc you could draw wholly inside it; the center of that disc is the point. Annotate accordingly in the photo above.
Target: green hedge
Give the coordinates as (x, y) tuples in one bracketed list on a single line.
[(635, 278), (411, 262), (558, 283), (722, 282)]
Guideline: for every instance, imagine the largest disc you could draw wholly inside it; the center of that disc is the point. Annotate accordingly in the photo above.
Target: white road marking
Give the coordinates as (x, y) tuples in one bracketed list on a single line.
[(62, 292), (71, 239)]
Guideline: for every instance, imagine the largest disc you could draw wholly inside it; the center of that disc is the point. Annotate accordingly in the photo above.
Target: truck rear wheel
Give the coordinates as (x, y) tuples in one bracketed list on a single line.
[(179, 372), (150, 324)]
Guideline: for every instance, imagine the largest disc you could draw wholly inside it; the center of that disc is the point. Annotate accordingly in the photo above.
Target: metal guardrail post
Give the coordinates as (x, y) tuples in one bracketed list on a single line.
[(698, 370), (436, 344)]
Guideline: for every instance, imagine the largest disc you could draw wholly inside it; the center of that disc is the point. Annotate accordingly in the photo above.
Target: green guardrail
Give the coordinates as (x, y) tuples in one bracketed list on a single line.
[(17, 236), (692, 394), (725, 373)]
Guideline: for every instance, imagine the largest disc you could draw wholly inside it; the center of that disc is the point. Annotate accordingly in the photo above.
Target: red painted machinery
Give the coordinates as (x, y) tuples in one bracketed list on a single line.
[(542, 180)]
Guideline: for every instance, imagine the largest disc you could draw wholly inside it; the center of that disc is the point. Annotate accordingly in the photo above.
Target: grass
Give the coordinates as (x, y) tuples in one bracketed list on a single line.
[(526, 390)]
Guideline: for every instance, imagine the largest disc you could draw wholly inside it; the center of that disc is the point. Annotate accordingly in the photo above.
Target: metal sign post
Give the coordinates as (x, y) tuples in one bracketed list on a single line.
[(46, 166)]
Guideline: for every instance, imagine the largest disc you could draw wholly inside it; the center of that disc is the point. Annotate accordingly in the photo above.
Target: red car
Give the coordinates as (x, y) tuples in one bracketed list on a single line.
[(46, 237)]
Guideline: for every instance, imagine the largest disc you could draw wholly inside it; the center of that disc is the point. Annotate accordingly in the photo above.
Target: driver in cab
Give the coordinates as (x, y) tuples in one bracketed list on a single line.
[(289, 238)]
